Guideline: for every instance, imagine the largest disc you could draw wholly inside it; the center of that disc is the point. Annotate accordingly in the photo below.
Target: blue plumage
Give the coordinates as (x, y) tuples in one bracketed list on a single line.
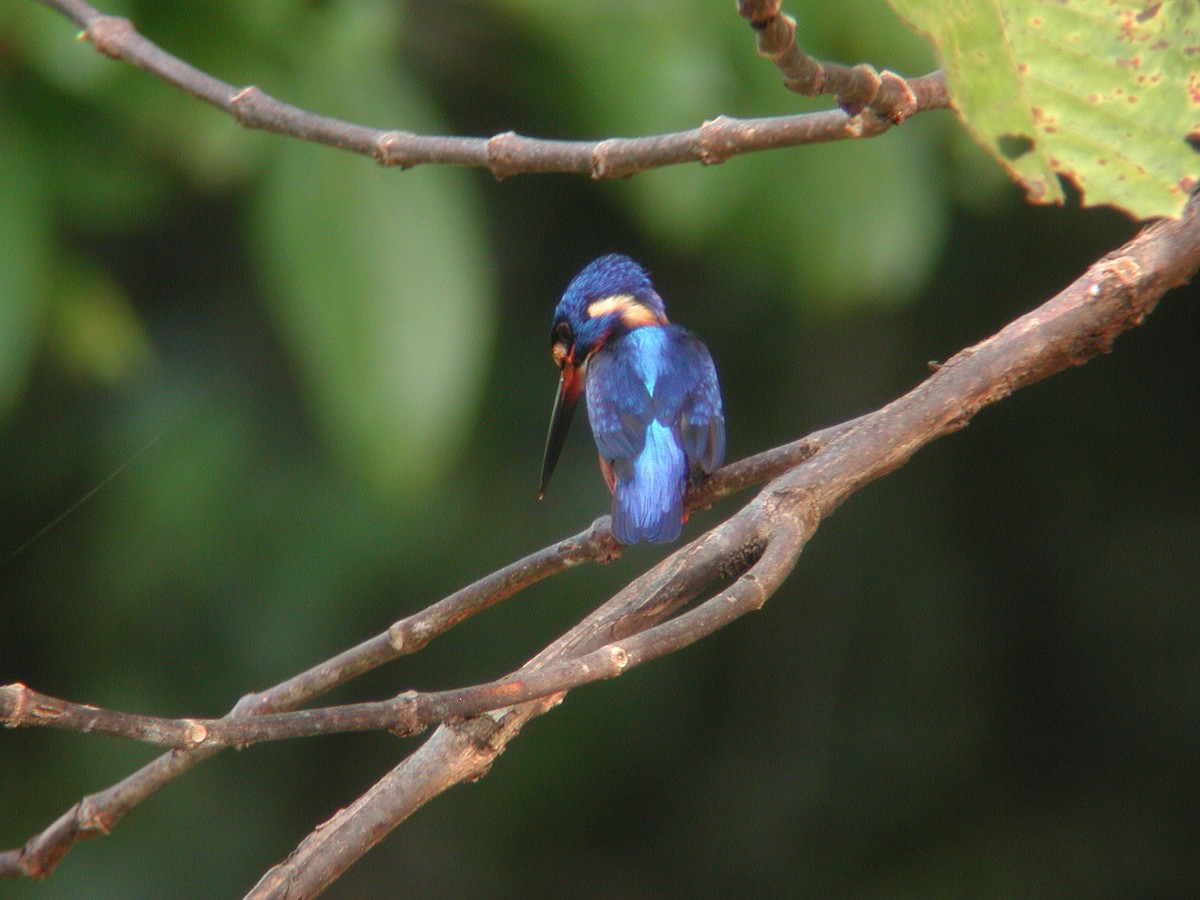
[(653, 400)]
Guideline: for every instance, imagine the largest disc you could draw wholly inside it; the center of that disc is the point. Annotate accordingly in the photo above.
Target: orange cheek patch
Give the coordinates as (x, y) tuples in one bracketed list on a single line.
[(637, 315), (617, 303), (633, 313)]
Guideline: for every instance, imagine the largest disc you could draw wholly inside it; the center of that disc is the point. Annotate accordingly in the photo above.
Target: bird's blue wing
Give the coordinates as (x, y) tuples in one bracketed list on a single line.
[(702, 426), (618, 405), (688, 396)]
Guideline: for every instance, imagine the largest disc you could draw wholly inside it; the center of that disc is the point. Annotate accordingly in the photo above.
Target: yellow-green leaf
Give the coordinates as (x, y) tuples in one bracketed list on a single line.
[(92, 327), (1103, 92)]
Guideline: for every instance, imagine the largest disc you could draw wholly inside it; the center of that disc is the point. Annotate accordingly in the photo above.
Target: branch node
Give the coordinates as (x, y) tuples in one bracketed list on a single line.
[(253, 705), (390, 149), (1116, 276), (601, 541), (897, 100), (777, 41), (503, 151), (482, 732), (718, 141), (395, 636), (618, 656), (861, 88), (1124, 270), (246, 105), (92, 818), (196, 734), (20, 694), (758, 12), (607, 164), (109, 33), (407, 715)]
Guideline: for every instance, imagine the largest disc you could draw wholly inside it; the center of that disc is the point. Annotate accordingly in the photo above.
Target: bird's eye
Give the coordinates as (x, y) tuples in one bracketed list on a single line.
[(562, 342)]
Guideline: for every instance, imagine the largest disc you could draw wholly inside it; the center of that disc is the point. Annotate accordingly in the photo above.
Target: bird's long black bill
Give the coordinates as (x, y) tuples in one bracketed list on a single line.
[(570, 385)]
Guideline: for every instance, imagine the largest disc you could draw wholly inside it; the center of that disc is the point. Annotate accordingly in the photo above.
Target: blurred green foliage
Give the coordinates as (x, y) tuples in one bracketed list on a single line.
[(313, 395)]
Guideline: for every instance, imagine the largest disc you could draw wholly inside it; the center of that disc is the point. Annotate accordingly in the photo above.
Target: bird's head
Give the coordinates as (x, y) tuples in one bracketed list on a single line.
[(611, 296)]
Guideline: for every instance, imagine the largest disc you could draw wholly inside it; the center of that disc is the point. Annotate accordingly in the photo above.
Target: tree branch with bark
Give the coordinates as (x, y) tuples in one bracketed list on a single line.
[(508, 154), (755, 549), (730, 570)]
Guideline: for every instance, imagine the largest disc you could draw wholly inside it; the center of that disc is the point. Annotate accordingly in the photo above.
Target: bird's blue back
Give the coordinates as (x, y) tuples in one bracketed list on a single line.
[(655, 410)]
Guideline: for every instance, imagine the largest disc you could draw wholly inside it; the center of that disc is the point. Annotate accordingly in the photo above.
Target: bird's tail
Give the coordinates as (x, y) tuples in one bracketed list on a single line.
[(649, 506)]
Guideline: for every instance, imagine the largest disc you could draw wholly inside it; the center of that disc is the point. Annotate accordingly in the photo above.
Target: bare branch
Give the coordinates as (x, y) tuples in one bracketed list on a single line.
[(509, 153), (1114, 295), (21, 707), (1082, 321), (464, 751), (411, 712), (857, 88), (756, 548), (98, 813)]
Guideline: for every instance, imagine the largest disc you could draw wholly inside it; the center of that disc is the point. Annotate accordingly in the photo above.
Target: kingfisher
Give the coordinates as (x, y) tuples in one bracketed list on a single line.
[(653, 400)]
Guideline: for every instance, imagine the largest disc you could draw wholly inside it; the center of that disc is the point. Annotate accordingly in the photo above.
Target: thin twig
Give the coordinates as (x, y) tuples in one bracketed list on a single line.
[(1082, 321), (756, 546), (410, 713), (99, 813), (1114, 295), (504, 154), (886, 95), (464, 751)]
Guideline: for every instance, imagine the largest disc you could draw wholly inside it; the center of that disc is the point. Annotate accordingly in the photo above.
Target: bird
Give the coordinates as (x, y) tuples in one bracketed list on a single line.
[(653, 399)]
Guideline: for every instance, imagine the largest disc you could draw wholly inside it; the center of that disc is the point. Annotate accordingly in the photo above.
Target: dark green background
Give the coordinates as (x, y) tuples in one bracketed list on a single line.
[(325, 388)]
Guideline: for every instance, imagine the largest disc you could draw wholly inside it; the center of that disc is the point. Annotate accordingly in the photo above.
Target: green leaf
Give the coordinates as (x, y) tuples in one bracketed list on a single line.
[(380, 279), (25, 237), (1103, 92), (92, 326)]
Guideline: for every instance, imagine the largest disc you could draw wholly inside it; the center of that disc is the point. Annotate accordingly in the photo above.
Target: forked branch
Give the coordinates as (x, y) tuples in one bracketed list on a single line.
[(1114, 295), (886, 95), (738, 564), (510, 153), (756, 548), (99, 813)]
